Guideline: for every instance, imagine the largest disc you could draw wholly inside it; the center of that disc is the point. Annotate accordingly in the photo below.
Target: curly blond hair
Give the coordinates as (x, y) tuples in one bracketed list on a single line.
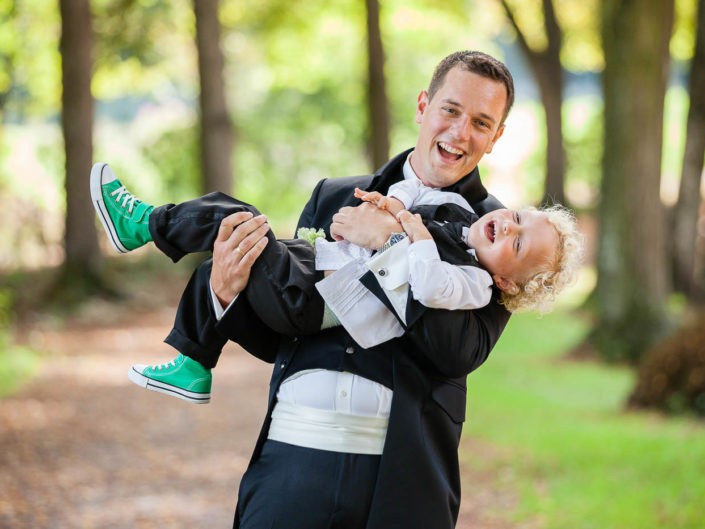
[(539, 292)]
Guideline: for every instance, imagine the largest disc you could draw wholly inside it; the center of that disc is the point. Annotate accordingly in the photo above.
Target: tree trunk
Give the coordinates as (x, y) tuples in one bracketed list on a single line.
[(632, 267), (80, 240), (216, 129), (686, 213), (548, 72), (378, 106)]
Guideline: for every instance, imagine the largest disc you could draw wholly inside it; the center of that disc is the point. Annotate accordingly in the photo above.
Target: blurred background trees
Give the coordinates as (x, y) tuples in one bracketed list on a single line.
[(265, 99)]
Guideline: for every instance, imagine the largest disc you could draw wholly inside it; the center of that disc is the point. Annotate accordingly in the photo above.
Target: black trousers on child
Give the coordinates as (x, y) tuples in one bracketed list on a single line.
[(281, 289)]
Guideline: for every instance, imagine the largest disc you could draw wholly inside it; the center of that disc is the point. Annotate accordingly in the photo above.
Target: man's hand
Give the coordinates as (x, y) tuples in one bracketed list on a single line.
[(364, 225), (240, 241)]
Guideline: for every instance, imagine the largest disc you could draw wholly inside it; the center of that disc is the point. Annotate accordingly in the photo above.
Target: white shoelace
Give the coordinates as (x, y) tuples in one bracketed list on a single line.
[(159, 367), (128, 199)]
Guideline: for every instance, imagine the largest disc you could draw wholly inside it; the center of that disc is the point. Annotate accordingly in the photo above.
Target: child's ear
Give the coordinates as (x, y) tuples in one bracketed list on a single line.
[(505, 285)]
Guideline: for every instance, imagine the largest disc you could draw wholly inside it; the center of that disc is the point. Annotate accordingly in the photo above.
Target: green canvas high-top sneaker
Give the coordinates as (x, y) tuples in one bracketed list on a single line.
[(124, 216), (183, 378)]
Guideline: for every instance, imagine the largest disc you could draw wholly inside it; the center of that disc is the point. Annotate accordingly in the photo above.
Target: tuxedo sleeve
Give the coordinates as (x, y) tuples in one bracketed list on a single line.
[(457, 342)]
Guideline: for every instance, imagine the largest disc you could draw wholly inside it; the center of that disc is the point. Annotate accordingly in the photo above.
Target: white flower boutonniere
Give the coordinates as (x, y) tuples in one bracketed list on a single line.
[(310, 235)]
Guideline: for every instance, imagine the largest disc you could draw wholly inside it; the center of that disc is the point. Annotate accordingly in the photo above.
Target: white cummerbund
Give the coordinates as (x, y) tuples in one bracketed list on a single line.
[(327, 430)]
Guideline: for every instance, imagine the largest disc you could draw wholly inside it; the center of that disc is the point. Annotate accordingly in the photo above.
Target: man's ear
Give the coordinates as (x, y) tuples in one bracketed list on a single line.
[(505, 285), (497, 136), (421, 104)]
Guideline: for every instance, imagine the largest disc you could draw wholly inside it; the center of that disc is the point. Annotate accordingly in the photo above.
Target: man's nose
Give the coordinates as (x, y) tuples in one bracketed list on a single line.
[(461, 129)]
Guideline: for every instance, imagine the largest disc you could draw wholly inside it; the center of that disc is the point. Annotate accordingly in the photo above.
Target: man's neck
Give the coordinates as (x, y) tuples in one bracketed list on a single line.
[(408, 170)]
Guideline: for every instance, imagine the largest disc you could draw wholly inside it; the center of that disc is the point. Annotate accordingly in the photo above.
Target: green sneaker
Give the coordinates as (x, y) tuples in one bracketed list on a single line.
[(124, 216), (183, 378)]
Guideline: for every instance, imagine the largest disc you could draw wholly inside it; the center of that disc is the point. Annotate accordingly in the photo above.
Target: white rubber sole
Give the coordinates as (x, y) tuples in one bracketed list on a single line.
[(160, 387), (100, 209)]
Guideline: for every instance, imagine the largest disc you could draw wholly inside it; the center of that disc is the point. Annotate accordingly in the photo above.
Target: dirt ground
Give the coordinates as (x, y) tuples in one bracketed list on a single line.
[(82, 447)]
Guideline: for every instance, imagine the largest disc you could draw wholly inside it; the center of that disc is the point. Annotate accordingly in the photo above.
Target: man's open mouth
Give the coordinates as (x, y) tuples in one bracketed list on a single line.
[(449, 152)]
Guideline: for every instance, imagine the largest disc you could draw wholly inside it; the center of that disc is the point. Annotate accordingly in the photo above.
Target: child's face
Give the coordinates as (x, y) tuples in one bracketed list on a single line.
[(512, 245)]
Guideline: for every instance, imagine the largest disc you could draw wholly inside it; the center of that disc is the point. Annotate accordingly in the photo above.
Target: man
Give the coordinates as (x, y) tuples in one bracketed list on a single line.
[(358, 437)]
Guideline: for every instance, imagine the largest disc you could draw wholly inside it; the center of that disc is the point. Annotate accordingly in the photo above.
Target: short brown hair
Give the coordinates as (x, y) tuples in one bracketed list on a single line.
[(479, 63)]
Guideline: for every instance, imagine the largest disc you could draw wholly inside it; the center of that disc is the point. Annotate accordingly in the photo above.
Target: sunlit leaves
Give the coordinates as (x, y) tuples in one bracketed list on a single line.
[(683, 39), (29, 50)]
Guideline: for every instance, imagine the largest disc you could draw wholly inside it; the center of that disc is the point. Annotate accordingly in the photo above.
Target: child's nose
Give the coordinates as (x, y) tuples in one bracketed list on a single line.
[(509, 227)]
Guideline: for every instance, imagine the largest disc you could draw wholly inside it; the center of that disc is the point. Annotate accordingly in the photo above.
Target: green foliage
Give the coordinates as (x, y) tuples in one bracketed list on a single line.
[(174, 154), (16, 363), (583, 140), (559, 435), (143, 47), (683, 39), (29, 34)]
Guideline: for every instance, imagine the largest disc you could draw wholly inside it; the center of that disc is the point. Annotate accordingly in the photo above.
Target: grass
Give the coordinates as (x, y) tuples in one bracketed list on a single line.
[(575, 457), (17, 364)]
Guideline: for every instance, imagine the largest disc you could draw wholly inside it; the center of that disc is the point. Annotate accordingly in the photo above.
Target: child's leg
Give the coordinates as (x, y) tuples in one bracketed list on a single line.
[(281, 289), (192, 226), (281, 286), (176, 229), (188, 376)]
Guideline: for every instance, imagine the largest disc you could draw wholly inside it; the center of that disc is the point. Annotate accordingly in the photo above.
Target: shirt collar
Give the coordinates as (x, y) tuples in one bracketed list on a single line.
[(409, 173)]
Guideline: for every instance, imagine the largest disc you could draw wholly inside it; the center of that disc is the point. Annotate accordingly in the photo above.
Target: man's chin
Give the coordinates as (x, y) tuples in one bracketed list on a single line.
[(445, 176)]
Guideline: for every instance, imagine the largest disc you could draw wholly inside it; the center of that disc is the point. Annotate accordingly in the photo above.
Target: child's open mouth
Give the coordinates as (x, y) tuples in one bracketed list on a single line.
[(491, 230)]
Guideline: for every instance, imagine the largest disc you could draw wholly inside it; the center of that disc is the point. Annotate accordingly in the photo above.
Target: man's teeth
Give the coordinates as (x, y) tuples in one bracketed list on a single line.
[(450, 149)]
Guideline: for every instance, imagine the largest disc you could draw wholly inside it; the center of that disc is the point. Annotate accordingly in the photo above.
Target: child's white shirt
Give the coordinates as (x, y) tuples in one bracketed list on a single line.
[(403, 267)]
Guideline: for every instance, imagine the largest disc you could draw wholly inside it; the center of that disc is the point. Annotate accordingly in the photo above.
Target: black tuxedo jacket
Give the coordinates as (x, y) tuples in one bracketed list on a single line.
[(418, 484)]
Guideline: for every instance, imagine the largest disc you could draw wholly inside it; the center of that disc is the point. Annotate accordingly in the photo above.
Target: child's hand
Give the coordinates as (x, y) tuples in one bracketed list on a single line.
[(390, 204), (413, 226), (373, 197)]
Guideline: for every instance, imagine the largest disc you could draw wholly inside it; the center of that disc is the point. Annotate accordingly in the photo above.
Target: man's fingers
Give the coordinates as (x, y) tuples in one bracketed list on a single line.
[(255, 227), (229, 223), (341, 215), (247, 243), (253, 253)]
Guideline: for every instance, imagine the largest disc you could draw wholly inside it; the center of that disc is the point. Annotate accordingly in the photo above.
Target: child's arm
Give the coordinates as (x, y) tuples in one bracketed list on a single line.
[(413, 226), (387, 203), (438, 284)]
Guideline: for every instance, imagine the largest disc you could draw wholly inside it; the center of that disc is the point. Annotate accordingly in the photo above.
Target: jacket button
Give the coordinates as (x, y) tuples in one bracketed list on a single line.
[(350, 350)]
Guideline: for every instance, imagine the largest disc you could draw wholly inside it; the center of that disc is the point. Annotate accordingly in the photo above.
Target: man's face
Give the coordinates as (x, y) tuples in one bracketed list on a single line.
[(513, 245), (457, 127)]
